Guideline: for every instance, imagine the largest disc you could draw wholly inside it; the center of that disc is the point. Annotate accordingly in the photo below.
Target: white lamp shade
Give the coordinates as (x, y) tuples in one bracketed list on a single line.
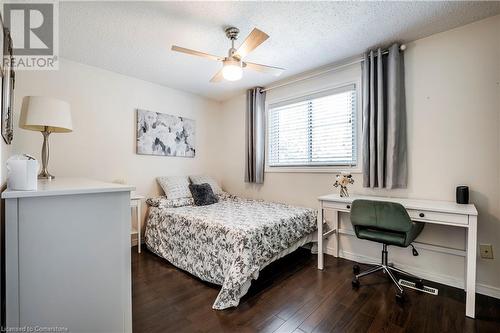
[(44, 113)]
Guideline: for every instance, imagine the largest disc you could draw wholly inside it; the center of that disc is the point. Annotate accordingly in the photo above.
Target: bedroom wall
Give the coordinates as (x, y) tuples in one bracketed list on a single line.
[(453, 102), (102, 144)]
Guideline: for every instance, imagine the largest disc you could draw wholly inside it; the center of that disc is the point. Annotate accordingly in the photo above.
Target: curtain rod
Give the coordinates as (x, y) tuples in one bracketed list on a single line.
[(331, 69)]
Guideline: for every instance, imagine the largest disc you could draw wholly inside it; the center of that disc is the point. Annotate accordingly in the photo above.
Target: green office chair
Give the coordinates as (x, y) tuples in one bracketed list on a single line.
[(387, 223)]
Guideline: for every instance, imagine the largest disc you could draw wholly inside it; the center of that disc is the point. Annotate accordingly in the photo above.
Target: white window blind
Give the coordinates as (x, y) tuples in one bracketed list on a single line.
[(316, 130)]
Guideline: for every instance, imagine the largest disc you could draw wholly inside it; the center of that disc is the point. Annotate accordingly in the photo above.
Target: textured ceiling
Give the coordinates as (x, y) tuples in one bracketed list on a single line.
[(134, 38)]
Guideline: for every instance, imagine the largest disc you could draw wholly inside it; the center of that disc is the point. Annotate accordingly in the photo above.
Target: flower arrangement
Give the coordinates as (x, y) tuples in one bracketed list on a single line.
[(343, 180)]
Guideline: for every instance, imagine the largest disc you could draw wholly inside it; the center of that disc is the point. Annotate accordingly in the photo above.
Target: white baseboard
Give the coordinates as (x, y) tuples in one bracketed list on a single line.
[(133, 240), (487, 290), (448, 280)]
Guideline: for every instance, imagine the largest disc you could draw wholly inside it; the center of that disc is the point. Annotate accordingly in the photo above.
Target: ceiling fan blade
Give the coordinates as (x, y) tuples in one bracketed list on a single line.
[(276, 71), (253, 40), (196, 53), (217, 77)]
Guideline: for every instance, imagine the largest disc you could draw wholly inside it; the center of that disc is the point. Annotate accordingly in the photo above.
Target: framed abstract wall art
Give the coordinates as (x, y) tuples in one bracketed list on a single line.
[(165, 135)]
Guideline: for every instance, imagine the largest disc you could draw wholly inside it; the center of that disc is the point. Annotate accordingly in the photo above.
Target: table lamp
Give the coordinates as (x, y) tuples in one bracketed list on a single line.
[(46, 115)]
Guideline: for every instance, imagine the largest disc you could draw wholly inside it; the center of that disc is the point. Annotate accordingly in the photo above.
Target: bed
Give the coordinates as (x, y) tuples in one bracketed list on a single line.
[(229, 242)]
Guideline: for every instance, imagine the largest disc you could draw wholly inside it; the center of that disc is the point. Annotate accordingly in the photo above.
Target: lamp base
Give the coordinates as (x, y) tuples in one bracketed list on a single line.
[(45, 175)]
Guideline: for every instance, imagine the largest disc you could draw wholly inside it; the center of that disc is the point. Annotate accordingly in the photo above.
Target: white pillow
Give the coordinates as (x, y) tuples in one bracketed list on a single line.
[(175, 187), (207, 179)]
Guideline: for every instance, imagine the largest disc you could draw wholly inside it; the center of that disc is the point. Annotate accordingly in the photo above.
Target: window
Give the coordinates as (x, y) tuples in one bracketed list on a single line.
[(315, 130)]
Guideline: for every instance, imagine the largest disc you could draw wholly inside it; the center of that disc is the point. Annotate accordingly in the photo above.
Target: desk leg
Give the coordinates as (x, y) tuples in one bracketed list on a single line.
[(336, 225), (470, 301), (139, 226), (320, 236)]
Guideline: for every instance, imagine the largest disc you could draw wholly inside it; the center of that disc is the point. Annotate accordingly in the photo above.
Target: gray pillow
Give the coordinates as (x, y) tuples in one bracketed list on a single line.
[(202, 194), (175, 187)]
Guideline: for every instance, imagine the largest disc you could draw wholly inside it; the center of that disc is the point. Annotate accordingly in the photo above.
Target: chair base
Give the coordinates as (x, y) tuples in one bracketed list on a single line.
[(388, 269)]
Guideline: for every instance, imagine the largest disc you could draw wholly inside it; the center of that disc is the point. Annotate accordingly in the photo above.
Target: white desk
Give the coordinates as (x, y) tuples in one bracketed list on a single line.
[(428, 211)]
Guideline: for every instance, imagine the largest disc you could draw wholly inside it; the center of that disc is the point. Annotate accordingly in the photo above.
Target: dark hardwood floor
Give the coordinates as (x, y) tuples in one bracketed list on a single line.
[(291, 295)]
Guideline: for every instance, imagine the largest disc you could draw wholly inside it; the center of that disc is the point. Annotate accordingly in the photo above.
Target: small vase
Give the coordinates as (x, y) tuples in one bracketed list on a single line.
[(343, 192)]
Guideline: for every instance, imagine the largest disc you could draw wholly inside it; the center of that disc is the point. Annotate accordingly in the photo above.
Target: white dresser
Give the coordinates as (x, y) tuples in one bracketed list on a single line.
[(67, 261)]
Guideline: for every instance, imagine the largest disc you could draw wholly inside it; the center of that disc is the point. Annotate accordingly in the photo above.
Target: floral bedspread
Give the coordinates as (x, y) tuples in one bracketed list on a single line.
[(226, 243)]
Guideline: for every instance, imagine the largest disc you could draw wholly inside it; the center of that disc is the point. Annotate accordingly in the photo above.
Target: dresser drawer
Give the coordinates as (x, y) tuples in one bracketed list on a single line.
[(446, 218)]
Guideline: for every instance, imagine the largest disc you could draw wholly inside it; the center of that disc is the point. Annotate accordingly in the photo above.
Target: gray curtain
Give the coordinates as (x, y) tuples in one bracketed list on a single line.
[(255, 136), (384, 120)]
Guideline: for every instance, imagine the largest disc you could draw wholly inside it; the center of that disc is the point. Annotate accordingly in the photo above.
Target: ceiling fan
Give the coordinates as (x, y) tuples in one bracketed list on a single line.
[(233, 64)]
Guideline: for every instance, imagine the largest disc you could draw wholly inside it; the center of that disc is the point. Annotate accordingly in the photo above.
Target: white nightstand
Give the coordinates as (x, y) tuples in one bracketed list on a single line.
[(135, 201)]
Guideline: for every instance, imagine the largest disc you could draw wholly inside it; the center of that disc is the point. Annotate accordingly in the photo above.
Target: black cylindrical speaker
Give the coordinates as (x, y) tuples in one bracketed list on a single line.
[(462, 194)]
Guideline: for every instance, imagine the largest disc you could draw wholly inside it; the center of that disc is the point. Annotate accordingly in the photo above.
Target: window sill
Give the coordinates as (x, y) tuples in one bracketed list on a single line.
[(313, 169)]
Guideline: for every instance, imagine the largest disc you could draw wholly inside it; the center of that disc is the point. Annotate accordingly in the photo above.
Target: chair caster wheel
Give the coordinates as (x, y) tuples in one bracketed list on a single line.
[(355, 269), (419, 284), (355, 283), (400, 297)]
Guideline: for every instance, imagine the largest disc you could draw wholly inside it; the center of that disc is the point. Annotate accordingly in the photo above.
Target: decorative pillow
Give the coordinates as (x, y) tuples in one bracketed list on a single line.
[(203, 194), (206, 180), (163, 202), (175, 187)]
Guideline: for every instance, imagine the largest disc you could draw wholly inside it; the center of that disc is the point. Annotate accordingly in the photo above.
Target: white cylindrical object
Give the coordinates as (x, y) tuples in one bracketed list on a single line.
[(22, 174)]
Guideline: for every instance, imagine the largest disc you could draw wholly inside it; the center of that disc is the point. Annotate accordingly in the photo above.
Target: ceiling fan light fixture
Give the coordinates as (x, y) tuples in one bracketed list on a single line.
[(234, 62), (231, 70)]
